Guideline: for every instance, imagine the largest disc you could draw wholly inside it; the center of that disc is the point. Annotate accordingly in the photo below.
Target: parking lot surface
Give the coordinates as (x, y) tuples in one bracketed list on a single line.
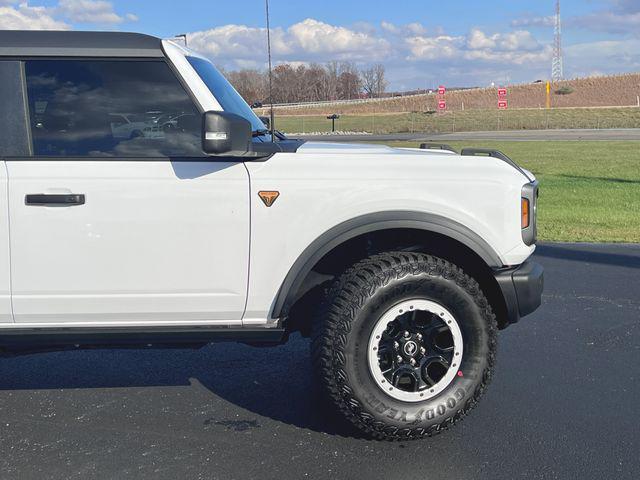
[(564, 402)]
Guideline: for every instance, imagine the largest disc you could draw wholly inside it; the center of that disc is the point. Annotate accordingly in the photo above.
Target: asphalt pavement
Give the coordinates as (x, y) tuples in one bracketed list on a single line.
[(507, 135), (564, 403)]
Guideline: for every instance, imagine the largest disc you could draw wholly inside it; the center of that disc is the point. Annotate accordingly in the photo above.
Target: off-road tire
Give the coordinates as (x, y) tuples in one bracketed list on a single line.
[(343, 325)]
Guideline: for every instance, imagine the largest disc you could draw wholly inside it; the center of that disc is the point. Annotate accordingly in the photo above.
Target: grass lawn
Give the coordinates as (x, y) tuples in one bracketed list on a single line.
[(589, 191), (466, 121)]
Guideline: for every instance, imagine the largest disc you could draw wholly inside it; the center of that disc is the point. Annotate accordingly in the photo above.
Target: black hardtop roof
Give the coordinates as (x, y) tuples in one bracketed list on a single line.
[(78, 44)]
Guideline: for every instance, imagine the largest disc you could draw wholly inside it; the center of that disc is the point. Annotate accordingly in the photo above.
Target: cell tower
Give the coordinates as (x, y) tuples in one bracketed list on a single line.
[(557, 72)]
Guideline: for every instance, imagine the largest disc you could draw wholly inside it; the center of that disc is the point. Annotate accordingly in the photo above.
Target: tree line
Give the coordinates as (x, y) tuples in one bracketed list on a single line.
[(310, 83)]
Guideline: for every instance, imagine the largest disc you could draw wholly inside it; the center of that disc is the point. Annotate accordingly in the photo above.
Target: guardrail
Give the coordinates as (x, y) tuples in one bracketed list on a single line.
[(354, 101)]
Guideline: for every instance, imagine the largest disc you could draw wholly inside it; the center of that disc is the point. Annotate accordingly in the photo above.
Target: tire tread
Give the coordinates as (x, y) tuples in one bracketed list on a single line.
[(332, 325)]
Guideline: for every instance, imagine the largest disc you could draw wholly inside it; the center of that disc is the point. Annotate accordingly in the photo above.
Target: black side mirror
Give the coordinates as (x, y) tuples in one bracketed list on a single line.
[(226, 134)]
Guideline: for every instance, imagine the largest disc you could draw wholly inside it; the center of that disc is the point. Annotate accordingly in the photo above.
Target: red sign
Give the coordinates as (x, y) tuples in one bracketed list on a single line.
[(502, 92), (442, 105), (502, 105), (441, 90)]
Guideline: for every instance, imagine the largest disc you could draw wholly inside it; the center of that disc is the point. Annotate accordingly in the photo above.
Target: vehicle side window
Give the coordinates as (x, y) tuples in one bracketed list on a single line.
[(105, 108)]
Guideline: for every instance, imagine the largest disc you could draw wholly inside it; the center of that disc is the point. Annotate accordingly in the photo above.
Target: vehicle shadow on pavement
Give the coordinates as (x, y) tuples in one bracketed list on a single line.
[(279, 385), (276, 383), (588, 254)]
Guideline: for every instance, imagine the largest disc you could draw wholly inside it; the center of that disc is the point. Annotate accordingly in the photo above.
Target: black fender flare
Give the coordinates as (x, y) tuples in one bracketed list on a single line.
[(370, 223)]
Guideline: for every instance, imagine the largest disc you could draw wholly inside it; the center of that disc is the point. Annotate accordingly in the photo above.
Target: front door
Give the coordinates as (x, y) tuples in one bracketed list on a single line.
[(118, 217)]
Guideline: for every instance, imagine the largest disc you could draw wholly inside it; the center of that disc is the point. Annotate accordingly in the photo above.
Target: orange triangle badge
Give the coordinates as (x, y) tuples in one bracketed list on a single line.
[(268, 197)]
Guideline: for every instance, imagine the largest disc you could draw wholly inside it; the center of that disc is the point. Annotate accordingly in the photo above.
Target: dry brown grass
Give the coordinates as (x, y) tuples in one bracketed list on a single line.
[(615, 91)]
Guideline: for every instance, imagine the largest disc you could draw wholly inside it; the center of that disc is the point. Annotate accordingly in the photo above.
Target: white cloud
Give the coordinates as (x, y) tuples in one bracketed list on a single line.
[(312, 36), (414, 28), (21, 15), (235, 42), (477, 58), (546, 21), (622, 17), (507, 58), (364, 27), (431, 48), (515, 48), (414, 56), (409, 51), (25, 17), (518, 40), (478, 39), (513, 41), (388, 27), (607, 56), (309, 40), (91, 11)]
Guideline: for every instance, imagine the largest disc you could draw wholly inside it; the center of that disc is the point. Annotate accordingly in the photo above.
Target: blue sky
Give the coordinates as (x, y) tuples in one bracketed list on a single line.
[(422, 43)]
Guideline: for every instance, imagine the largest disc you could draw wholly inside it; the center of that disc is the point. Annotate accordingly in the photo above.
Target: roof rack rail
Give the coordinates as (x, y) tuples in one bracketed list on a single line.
[(487, 152), (436, 146)]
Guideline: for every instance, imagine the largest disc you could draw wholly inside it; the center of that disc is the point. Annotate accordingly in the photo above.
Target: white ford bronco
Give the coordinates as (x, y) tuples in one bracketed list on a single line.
[(146, 205)]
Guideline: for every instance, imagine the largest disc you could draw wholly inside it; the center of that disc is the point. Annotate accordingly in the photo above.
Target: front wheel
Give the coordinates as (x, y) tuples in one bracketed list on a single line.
[(404, 344)]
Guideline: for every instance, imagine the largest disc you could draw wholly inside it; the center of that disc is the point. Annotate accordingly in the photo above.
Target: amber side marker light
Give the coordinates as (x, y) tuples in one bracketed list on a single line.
[(524, 221), (268, 197)]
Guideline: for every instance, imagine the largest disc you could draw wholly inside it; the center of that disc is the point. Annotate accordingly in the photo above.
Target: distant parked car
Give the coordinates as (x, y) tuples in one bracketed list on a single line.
[(128, 125)]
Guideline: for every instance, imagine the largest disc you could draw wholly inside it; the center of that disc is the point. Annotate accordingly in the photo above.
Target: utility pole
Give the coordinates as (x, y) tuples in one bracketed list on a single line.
[(557, 72)]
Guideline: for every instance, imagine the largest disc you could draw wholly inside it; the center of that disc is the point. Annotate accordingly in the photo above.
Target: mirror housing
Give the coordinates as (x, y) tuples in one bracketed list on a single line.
[(226, 134)]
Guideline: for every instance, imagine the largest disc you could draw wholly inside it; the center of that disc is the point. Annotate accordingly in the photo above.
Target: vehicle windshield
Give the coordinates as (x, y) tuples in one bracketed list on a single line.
[(227, 97)]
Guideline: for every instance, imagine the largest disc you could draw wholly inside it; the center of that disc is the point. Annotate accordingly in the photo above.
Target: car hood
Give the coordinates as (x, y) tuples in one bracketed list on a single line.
[(380, 151), (360, 148)]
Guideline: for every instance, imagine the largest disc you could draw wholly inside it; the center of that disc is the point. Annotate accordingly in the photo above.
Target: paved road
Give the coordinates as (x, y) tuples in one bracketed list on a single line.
[(511, 135), (563, 405)]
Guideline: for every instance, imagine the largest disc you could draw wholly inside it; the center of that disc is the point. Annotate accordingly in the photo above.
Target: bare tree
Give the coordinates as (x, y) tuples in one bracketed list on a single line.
[(381, 80), (300, 83), (251, 84), (368, 81), (331, 80), (315, 82), (374, 82), (349, 84), (284, 83)]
